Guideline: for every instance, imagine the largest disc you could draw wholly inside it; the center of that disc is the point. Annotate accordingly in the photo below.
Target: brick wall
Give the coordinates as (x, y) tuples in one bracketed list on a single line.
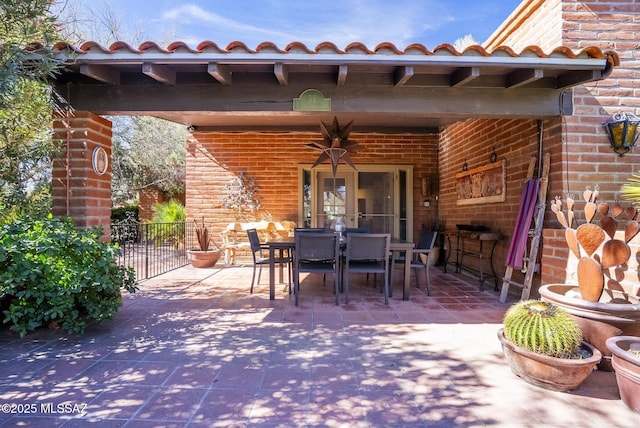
[(474, 141), (83, 194), (534, 22), (583, 157), (273, 159)]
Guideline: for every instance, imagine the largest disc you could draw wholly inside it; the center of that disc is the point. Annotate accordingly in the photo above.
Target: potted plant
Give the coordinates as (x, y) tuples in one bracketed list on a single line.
[(625, 351), (543, 345), (206, 255)]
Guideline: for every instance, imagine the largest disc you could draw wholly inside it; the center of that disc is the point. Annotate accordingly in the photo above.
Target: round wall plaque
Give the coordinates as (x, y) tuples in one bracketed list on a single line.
[(100, 160)]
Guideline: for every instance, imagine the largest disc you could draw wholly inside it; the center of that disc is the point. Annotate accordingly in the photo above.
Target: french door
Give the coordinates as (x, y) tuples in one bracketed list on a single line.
[(378, 198)]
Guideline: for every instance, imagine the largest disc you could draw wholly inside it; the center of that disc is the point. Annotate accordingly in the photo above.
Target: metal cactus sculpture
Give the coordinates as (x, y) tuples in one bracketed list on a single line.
[(542, 327), (596, 246)]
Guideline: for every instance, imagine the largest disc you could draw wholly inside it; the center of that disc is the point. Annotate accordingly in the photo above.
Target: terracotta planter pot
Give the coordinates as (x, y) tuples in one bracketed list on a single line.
[(615, 308), (203, 259), (627, 368), (557, 374)]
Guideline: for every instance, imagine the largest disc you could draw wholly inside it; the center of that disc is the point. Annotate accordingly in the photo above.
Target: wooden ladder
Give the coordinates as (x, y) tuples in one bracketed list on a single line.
[(532, 258)]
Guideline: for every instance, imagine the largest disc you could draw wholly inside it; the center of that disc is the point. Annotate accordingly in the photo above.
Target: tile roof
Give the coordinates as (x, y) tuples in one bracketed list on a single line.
[(406, 86), (329, 47)]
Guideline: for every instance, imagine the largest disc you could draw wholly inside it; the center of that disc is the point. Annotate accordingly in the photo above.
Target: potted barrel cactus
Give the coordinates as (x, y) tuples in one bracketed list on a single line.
[(543, 345)]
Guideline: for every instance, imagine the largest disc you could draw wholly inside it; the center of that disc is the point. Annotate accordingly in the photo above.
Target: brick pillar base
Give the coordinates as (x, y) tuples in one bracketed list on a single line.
[(83, 189)]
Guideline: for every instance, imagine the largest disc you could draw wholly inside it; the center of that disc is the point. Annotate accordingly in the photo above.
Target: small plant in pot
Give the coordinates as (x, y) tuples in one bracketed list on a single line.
[(208, 251), (543, 345)]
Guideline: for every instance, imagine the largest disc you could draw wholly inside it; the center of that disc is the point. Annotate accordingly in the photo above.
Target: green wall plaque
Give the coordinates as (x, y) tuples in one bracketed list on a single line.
[(312, 100)]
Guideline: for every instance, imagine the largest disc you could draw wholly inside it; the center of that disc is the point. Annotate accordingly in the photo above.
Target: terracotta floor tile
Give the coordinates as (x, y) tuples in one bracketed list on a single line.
[(194, 348)]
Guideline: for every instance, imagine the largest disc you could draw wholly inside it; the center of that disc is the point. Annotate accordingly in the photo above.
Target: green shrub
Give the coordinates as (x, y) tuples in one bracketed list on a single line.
[(122, 213), (51, 271), (168, 223), (169, 212)]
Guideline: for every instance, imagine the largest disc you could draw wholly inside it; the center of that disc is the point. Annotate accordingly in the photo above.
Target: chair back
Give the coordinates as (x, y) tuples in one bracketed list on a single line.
[(427, 239), (349, 230), (316, 247), (254, 240), (368, 246), (308, 230)]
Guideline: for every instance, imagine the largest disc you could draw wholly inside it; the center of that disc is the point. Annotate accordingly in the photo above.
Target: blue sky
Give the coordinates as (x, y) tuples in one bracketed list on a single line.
[(430, 22)]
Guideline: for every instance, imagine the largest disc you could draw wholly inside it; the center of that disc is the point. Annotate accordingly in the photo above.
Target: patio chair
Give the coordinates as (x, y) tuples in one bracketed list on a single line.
[(308, 230), (367, 253), (258, 251), (316, 253), (349, 230), (420, 258)]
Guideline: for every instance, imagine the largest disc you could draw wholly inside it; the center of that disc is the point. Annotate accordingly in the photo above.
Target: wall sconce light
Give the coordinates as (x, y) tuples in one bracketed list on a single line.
[(622, 130), (425, 186)]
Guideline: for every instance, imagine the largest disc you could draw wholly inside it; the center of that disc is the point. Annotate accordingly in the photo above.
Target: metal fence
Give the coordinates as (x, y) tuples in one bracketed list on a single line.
[(152, 248)]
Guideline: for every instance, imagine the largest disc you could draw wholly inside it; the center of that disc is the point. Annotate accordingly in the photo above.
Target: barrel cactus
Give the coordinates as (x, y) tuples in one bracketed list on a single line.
[(542, 327)]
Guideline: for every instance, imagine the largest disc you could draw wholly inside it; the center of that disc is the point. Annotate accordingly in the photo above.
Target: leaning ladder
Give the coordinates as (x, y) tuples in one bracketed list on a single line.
[(532, 258)]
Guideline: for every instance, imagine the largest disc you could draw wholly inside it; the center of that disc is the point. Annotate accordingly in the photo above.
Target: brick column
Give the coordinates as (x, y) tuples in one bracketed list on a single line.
[(78, 190)]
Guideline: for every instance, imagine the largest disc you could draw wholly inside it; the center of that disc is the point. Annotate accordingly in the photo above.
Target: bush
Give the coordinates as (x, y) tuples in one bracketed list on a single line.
[(169, 212), (52, 272), (123, 213)]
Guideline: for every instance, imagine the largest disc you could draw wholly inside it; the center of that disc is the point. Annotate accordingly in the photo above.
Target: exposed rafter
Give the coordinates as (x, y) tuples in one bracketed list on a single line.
[(101, 73), (160, 73), (282, 74), (220, 72)]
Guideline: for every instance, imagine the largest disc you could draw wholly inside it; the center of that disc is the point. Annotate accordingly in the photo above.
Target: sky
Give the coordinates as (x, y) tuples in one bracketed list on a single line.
[(401, 22)]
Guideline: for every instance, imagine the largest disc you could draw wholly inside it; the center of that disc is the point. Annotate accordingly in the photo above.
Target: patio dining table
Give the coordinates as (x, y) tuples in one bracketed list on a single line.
[(282, 244)]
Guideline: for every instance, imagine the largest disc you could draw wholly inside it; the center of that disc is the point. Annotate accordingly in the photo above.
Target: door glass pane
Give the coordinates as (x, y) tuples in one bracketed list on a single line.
[(306, 198), (402, 234), (376, 201), (333, 200)]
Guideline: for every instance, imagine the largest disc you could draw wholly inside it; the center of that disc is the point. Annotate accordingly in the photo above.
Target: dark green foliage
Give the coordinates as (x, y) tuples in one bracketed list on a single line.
[(542, 327), (51, 271), (122, 213)]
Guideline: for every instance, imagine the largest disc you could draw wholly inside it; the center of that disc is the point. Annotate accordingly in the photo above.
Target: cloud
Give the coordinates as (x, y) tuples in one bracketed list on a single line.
[(190, 17)]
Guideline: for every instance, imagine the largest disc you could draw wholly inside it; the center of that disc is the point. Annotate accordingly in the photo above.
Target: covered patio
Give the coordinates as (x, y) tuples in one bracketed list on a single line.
[(194, 348)]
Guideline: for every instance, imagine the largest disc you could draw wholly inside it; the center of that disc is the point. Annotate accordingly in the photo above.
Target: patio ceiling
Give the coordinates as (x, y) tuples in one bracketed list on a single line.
[(385, 90)]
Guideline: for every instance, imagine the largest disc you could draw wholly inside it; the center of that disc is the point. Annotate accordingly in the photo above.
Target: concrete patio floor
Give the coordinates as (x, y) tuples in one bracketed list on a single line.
[(194, 348)]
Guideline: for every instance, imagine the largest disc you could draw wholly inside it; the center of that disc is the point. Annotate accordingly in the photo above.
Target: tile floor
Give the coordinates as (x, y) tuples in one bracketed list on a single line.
[(194, 348)]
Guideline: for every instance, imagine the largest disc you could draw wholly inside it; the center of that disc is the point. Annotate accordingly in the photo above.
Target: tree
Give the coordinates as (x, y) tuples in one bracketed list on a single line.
[(146, 152), (27, 62)]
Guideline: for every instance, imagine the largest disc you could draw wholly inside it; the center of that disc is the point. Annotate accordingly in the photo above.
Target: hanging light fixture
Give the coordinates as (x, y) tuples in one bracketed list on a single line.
[(622, 129)]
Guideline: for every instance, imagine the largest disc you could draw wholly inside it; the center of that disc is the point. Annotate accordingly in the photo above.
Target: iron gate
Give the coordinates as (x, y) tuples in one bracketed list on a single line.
[(152, 248)]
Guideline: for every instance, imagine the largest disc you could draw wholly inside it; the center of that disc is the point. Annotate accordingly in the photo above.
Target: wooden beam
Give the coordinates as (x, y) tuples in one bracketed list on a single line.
[(464, 75), (573, 78), (160, 73), (389, 101), (521, 77), (102, 73), (220, 72), (343, 70), (403, 74), (282, 74), (267, 127)]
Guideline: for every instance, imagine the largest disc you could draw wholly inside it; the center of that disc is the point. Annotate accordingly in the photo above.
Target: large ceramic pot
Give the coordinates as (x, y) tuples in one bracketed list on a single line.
[(203, 259), (557, 374), (627, 368), (614, 307)]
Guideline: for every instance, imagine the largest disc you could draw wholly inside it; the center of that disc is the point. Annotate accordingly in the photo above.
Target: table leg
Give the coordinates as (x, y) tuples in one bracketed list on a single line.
[(281, 276), (407, 274), (272, 273)]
